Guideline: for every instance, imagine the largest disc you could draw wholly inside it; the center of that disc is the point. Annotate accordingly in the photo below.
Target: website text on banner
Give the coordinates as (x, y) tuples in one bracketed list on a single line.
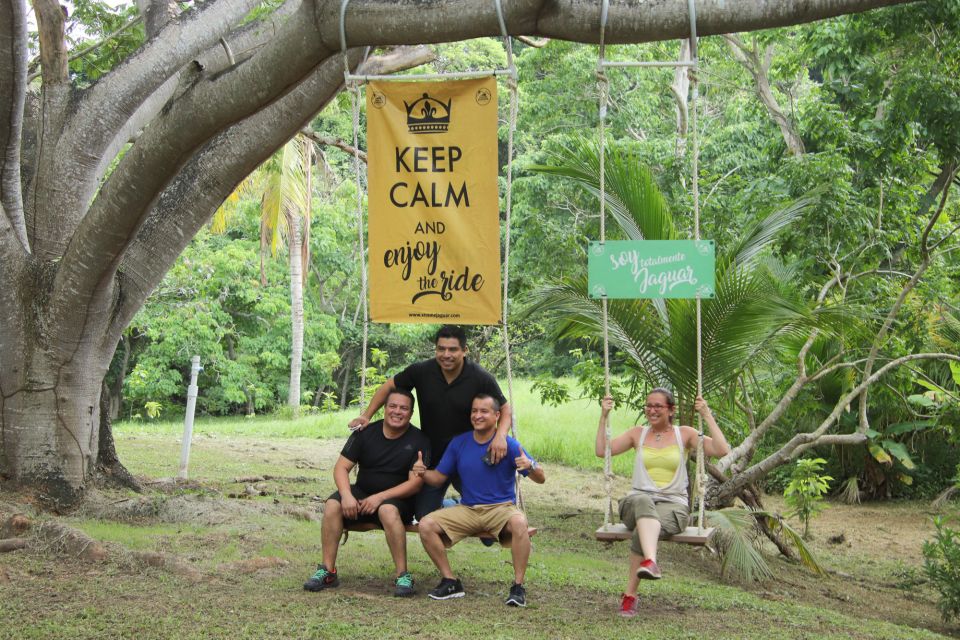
[(434, 228), (651, 269)]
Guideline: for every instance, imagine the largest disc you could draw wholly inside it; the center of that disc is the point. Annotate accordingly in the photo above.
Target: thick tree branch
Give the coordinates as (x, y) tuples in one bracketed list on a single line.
[(214, 172), (157, 14), (803, 441), (13, 73), (168, 144), (577, 20), (53, 48), (101, 113)]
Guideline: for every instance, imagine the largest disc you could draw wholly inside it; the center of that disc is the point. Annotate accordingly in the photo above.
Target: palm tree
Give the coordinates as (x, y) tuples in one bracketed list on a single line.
[(753, 305), (285, 184)]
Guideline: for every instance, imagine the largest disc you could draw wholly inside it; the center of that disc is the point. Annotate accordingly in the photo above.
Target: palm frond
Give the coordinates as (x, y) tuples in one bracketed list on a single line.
[(807, 559), (734, 539), (763, 231)]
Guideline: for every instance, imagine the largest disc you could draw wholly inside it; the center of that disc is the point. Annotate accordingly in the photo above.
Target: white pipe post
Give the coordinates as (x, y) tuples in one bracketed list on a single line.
[(195, 369)]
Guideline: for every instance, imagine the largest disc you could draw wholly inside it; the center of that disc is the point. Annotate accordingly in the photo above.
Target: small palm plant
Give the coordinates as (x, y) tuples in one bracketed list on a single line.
[(805, 491)]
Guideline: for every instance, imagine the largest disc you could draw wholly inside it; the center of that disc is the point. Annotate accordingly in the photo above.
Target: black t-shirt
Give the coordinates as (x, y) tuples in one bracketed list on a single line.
[(383, 463), (445, 408)]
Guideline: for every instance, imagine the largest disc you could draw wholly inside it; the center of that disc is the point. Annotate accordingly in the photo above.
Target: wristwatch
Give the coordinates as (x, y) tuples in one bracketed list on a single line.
[(534, 465)]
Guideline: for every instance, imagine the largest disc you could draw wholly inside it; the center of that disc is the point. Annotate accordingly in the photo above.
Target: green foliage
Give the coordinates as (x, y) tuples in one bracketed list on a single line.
[(657, 337), (737, 540), (212, 304), (941, 561), (153, 409), (805, 491), (552, 391)]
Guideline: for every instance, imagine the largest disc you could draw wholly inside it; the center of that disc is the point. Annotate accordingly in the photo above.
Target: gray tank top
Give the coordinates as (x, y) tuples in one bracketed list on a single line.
[(676, 491)]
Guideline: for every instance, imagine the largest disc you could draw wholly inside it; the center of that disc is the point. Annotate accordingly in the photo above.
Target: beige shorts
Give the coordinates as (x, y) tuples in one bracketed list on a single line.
[(672, 516), (461, 521)]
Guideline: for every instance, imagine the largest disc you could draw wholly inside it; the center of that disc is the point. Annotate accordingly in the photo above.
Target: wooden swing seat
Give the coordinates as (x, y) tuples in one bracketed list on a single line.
[(412, 528), (690, 535)]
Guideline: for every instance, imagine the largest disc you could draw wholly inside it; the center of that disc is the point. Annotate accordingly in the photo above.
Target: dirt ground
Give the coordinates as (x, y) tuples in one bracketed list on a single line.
[(218, 547)]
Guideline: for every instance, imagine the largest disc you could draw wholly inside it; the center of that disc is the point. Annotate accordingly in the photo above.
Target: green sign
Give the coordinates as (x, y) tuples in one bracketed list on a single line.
[(652, 269)]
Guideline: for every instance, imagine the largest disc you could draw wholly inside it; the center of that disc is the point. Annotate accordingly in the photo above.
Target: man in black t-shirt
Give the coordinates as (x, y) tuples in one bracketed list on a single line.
[(385, 452), (446, 386)]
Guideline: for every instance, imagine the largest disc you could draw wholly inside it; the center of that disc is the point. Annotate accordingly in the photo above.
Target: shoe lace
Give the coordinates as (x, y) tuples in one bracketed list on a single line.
[(627, 603), (321, 574), (405, 580)]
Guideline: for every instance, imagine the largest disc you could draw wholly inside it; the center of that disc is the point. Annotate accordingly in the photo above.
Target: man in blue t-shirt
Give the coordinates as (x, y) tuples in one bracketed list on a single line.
[(488, 502)]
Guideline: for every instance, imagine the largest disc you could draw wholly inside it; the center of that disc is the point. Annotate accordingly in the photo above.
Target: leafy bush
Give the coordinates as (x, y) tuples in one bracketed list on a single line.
[(805, 491), (941, 560)]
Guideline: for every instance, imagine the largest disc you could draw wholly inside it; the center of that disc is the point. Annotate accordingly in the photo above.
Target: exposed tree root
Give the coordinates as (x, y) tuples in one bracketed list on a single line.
[(15, 525), (13, 544), (110, 471), (66, 540), (941, 500), (166, 562)]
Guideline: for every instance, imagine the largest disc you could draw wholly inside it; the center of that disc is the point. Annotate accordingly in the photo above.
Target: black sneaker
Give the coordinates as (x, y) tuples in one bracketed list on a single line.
[(404, 586), (321, 580), (448, 588), (518, 596)]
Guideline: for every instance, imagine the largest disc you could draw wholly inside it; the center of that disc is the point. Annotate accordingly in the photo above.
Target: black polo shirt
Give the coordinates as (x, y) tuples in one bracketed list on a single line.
[(384, 463), (445, 408)]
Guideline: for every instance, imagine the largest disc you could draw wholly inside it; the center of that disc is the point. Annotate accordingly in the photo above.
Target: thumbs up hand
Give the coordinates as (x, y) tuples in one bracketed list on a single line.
[(418, 467)]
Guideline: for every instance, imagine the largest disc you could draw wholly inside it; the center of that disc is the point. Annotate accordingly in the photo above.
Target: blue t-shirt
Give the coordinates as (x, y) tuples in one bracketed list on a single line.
[(482, 483)]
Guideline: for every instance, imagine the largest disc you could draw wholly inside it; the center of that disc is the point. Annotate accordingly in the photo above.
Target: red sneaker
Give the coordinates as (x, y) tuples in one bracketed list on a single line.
[(628, 606), (649, 570)]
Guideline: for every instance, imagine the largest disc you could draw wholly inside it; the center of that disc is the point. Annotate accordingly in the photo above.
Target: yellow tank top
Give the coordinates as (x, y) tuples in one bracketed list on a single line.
[(661, 464)]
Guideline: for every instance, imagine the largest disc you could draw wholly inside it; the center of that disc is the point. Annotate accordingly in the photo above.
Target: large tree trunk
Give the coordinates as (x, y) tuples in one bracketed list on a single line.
[(81, 253), (50, 409)]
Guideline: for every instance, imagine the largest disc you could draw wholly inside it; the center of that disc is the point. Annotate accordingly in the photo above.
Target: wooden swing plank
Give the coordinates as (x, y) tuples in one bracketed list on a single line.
[(412, 528), (619, 531)]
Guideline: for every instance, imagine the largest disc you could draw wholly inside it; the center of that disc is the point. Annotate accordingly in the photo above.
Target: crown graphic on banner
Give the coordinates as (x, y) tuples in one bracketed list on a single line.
[(428, 115)]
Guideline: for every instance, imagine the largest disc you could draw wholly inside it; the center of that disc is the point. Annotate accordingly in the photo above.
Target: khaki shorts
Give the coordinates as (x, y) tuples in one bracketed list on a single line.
[(461, 521), (672, 516)]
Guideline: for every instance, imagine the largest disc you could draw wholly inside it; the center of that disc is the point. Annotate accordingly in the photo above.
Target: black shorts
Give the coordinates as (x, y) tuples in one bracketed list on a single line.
[(403, 505)]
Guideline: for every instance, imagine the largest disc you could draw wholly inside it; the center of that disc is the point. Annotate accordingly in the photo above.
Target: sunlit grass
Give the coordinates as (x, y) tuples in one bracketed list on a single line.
[(564, 434)]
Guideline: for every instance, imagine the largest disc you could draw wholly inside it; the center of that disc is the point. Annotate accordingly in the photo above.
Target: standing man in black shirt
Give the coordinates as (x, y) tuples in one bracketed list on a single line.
[(386, 452), (446, 386)]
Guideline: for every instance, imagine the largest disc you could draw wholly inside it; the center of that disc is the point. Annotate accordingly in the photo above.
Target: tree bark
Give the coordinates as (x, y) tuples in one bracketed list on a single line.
[(109, 467), (295, 222)]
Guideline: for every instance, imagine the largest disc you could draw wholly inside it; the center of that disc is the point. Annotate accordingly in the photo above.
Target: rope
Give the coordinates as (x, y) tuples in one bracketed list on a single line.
[(695, 182), (604, 88), (511, 129)]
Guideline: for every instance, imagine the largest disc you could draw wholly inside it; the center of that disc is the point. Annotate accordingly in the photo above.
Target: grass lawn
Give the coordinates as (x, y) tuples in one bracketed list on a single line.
[(249, 543)]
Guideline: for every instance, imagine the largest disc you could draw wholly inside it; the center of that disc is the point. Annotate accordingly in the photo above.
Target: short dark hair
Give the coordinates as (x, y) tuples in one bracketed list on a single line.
[(404, 392), (487, 396), (666, 394), (452, 331)]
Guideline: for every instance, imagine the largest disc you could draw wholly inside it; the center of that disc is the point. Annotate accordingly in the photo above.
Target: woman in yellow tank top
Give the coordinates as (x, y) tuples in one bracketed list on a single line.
[(658, 505)]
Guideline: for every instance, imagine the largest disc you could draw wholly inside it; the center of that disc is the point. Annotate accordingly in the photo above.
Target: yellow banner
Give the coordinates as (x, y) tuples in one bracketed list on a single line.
[(434, 226)]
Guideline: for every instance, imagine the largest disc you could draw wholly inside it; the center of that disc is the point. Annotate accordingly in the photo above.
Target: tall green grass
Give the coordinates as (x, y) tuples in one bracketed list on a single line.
[(564, 434)]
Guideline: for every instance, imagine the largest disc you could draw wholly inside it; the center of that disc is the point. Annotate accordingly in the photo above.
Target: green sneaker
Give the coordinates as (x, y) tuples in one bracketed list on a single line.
[(404, 586), (321, 580)]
